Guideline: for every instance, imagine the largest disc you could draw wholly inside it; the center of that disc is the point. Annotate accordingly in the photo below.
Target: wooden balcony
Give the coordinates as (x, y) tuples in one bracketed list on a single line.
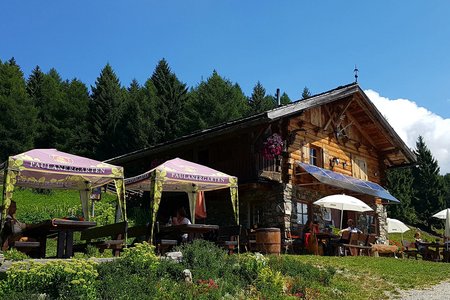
[(268, 168)]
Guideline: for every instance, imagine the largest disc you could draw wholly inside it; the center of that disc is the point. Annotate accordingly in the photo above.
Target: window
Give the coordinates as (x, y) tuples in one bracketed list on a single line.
[(302, 213), (315, 156), (359, 168)]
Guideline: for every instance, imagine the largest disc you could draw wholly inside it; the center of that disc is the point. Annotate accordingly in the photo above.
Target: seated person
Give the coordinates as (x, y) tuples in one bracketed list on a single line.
[(13, 228), (309, 237), (351, 227), (180, 219), (417, 241), (426, 253)]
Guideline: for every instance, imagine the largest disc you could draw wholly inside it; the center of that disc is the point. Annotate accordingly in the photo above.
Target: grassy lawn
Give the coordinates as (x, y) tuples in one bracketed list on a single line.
[(368, 277)]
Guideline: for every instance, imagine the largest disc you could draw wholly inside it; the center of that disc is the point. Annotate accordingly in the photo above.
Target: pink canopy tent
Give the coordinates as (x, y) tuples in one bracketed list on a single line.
[(178, 175), (52, 169)]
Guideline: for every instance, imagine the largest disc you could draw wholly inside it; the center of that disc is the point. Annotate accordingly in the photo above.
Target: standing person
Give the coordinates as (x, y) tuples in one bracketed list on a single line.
[(180, 219)]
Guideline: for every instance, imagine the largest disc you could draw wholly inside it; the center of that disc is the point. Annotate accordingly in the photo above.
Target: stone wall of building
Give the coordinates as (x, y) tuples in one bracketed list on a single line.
[(381, 213), (270, 202), (306, 195)]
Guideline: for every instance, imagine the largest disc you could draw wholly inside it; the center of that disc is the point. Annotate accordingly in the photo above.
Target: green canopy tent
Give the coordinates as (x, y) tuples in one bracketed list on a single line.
[(52, 169), (178, 175)]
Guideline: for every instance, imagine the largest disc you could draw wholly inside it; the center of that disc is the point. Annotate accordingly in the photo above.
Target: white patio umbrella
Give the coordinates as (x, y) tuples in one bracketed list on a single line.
[(445, 214), (396, 226), (343, 202), (442, 214)]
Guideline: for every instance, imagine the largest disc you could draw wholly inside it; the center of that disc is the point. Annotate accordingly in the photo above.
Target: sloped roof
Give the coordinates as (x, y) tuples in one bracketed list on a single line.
[(269, 116)]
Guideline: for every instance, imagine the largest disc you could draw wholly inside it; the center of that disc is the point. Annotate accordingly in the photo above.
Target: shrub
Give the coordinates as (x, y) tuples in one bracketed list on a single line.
[(204, 259), (269, 283), (72, 279), (140, 257), (105, 212), (15, 255), (249, 265), (170, 269), (291, 266), (119, 281)]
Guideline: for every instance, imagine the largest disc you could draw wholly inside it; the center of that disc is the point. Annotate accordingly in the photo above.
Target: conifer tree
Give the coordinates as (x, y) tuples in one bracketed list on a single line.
[(259, 101), (306, 93), (171, 99), (136, 125), (400, 185), (105, 113), (47, 93), (216, 101), (447, 189), (17, 123), (428, 185), (75, 115), (284, 99)]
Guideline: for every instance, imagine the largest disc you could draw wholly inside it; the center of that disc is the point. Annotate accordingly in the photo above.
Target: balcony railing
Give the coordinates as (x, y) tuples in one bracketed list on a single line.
[(268, 168)]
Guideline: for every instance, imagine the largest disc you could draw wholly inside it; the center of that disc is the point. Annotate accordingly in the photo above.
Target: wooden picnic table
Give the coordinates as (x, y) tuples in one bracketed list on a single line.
[(61, 228), (329, 240), (429, 254), (194, 231)]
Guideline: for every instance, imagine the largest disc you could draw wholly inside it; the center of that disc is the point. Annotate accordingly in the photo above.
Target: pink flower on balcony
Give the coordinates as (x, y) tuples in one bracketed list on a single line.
[(273, 146)]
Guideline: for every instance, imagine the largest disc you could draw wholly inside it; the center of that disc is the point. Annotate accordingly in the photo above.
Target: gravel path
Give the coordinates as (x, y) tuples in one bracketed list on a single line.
[(435, 292)]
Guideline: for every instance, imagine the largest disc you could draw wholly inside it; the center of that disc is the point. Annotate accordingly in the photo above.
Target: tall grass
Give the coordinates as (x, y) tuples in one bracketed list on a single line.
[(33, 207)]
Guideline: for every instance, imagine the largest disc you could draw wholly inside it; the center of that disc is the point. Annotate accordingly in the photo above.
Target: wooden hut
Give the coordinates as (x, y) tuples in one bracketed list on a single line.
[(339, 132)]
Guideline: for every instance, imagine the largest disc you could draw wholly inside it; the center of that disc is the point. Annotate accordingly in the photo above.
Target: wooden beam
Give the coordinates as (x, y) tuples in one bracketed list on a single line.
[(339, 118), (390, 150), (360, 129), (330, 116)]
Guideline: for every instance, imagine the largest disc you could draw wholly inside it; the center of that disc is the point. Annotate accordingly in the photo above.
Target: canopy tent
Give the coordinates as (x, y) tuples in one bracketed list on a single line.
[(52, 169), (178, 175)]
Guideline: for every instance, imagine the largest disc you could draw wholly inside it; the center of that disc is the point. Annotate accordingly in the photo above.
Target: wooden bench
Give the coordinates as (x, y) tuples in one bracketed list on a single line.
[(228, 237), (142, 233), (409, 249), (114, 232), (358, 244), (27, 247)]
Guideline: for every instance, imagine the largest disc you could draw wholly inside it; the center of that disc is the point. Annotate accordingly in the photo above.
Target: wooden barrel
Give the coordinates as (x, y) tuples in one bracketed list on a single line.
[(268, 240)]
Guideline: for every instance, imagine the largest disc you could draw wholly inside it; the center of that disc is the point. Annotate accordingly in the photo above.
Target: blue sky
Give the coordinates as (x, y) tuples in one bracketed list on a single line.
[(402, 48)]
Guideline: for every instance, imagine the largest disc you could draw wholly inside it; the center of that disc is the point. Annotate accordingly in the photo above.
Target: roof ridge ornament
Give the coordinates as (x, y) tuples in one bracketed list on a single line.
[(356, 74)]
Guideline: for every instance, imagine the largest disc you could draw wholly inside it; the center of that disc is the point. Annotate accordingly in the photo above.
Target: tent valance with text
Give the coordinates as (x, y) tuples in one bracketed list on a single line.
[(53, 169)]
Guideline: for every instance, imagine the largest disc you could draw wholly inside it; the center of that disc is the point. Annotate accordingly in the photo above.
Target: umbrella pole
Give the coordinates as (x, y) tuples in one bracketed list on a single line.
[(342, 215)]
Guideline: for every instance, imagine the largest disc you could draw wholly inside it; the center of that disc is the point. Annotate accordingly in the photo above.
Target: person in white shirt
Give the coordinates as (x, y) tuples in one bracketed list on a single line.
[(180, 219), (351, 227)]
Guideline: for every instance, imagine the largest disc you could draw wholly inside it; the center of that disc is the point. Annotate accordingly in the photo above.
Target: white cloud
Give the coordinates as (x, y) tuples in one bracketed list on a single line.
[(410, 121)]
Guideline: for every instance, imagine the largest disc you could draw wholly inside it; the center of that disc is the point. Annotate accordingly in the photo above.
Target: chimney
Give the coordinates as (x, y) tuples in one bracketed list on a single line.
[(278, 98)]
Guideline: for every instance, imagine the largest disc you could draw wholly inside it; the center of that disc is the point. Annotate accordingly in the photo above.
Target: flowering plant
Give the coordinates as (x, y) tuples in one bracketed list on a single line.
[(273, 146)]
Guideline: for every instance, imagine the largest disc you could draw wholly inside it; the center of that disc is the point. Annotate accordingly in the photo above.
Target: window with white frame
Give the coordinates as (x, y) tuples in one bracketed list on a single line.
[(302, 213), (315, 156)]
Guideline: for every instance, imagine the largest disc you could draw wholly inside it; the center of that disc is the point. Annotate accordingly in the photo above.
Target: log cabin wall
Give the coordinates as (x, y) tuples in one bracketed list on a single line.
[(314, 138)]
